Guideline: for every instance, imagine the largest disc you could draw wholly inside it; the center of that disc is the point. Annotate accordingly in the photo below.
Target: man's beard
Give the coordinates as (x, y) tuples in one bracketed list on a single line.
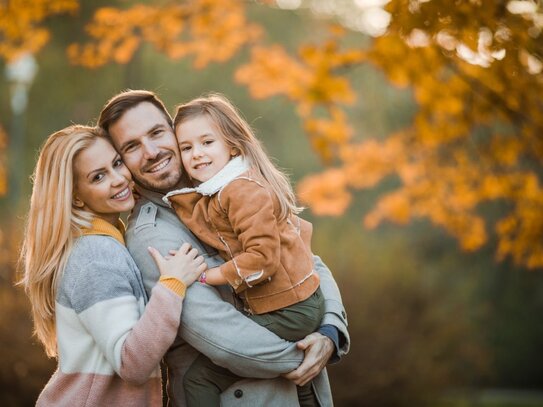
[(165, 182)]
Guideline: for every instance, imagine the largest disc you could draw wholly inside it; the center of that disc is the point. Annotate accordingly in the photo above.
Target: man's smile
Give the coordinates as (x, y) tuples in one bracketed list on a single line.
[(159, 165)]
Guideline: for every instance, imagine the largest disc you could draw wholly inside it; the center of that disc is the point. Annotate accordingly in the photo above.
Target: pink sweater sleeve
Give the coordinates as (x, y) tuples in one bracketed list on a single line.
[(143, 348)]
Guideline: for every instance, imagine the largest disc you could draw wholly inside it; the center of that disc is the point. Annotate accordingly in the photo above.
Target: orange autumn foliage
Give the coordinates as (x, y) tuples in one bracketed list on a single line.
[(474, 69), (327, 192), (207, 30), (310, 80), (476, 76), (21, 28)]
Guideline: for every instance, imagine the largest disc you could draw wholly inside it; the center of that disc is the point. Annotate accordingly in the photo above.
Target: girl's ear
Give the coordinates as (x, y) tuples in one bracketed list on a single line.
[(234, 151), (78, 203)]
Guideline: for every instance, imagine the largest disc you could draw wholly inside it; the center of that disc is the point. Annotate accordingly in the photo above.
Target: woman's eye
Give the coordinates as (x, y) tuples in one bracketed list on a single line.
[(118, 163), (97, 177)]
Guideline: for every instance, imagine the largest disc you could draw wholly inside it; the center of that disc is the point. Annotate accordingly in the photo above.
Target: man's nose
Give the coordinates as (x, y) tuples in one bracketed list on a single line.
[(150, 150)]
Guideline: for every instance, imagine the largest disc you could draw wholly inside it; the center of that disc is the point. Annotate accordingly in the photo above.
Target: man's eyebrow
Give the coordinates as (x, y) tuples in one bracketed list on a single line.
[(155, 127), (123, 146)]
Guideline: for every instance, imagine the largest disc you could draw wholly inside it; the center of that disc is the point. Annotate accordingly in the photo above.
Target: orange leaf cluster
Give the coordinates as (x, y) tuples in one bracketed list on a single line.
[(327, 192), (475, 69), (476, 77), (328, 134), (20, 29), (311, 81), (273, 72), (208, 30), (520, 232)]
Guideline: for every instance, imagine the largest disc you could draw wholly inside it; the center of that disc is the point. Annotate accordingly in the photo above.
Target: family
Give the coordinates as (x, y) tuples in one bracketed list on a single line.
[(213, 273)]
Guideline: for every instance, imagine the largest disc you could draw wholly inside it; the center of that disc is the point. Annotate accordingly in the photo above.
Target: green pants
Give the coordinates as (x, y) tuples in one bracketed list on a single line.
[(205, 381)]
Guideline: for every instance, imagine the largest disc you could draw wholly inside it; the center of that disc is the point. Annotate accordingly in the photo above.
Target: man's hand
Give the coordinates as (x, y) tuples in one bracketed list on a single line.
[(318, 350)]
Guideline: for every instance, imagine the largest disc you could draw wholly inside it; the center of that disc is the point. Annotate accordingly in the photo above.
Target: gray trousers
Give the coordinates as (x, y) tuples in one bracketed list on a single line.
[(205, 381)]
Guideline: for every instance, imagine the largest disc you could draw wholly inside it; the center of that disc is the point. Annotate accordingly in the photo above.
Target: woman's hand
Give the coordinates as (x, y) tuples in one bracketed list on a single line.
[(185, 264)]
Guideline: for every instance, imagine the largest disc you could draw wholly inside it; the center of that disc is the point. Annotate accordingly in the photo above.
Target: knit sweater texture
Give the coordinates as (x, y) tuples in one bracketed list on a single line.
[(110, 337)]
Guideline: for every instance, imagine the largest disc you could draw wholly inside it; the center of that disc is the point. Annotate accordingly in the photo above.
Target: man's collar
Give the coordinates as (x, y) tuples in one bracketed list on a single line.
[(153, 196)]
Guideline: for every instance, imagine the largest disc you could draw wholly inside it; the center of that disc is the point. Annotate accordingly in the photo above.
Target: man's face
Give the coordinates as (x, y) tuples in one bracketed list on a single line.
[(148, 147)]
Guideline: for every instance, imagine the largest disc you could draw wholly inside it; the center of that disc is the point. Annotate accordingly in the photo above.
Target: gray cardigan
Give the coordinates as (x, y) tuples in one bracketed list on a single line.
[(212, 324)]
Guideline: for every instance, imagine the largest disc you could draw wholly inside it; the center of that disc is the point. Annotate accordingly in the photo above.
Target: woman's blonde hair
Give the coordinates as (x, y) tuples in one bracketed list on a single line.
[(238, 134), (53, 223)]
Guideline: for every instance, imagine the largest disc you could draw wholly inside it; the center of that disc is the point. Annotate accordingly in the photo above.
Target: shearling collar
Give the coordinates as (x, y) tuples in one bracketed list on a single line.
[(233, 169)]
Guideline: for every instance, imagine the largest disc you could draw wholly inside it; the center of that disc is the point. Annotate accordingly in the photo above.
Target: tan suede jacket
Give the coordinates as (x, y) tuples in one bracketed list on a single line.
[(268, 263)]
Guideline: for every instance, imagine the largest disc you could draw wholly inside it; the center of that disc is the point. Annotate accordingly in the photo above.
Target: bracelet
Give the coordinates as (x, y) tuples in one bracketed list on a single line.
[(202, 278)]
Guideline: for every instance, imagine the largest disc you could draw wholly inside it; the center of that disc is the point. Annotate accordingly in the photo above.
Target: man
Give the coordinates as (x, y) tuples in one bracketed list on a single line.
[(141, 130)]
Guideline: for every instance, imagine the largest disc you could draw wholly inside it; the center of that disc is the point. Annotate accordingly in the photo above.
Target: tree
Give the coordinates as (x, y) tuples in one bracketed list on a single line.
[(22, 30), (475, 71), (21, 24)]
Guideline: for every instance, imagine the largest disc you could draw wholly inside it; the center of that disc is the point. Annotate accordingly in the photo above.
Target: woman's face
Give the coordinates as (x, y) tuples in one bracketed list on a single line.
[(102, 182)]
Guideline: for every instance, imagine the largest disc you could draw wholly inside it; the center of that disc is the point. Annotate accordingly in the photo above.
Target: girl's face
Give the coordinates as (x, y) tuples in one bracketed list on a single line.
[(204, 151), (102, 182)]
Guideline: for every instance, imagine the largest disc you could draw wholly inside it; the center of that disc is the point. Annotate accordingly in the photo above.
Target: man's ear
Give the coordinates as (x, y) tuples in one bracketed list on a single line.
[(78, 203)]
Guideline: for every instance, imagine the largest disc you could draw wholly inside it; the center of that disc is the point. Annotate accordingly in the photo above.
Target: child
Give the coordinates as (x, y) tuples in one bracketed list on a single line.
[(243, 206)]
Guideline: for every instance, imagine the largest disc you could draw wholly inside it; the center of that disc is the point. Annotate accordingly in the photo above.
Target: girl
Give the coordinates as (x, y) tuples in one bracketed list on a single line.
[(87, 296), (242, 205)]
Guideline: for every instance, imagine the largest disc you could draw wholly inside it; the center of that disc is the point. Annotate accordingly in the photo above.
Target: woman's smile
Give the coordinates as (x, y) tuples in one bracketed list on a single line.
[(103, 183)]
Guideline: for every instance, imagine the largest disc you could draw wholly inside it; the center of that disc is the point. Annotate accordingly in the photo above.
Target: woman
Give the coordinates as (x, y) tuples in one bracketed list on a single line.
[(87, 296)]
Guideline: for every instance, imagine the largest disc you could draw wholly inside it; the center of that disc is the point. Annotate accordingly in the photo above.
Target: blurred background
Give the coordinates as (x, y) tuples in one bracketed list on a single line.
[(412, 130)]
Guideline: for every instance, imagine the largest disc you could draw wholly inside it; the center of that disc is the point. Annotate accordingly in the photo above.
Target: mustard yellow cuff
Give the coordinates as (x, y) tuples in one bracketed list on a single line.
[(174, 284)]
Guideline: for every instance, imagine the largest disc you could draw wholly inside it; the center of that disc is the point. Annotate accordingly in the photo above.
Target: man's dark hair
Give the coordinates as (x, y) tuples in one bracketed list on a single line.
[(124, 101)]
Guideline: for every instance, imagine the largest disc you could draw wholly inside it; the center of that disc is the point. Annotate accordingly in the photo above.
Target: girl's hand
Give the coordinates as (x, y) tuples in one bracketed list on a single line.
[(185, 265), (215, 277)]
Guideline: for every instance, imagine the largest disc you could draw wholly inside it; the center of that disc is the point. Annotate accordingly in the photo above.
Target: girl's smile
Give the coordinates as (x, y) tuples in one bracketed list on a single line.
[(204, 151)]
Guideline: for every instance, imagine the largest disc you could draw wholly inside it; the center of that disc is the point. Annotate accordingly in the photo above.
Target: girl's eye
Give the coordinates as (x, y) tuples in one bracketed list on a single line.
[(186, 148), (118, 163), (207, 142), (98, 177)]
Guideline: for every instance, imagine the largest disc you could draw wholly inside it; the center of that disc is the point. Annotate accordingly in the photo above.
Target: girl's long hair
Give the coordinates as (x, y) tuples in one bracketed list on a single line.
[(52, 225), (237, 133)]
